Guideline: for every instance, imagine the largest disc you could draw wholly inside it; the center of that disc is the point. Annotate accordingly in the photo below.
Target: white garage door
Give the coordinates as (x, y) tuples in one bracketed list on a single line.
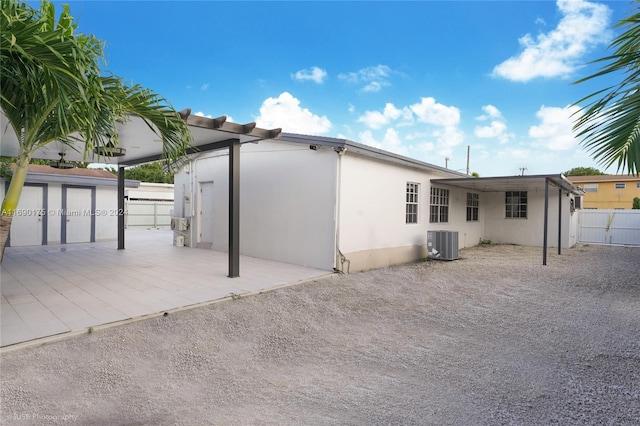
[(79, 215), (27, 226)]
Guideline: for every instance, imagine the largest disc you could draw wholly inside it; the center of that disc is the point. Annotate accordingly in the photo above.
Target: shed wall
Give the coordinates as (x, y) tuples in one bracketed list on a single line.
[(106, 221), (287, 202)]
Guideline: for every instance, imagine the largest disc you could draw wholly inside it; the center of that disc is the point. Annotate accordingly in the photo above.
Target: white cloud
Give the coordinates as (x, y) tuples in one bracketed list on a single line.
[(496, 129), (202, 114), (285, 112), (431, 112), (489, 112), (555, 129), (315, 74), (205, 86), (493, 130), (372, 79), (559, 52), (391, 141), (434, 128), (377, 119), (448, 136), (519, 154)]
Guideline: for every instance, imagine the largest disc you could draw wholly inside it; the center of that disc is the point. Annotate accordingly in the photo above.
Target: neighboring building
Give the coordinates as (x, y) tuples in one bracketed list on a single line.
[(149, 206), (608, 191), (149, 191), (335, 204), (59, 206)]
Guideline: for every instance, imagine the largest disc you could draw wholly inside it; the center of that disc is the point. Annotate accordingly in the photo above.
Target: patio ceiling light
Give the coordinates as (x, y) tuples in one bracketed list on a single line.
[(61, 163), (109, 150)]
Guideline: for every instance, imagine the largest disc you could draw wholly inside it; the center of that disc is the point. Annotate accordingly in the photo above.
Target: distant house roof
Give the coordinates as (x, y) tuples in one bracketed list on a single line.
[(78, 171), (603, 178), (75, 176)]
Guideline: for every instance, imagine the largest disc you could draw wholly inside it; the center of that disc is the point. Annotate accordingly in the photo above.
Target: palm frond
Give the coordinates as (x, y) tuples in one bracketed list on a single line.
[(53, 90), (609, 126)]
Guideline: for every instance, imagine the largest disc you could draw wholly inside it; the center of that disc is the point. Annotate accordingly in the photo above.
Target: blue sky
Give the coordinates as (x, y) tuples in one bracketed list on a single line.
[(423, 79)]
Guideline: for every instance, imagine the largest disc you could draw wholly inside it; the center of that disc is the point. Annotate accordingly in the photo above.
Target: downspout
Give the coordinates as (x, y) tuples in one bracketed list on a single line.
[(339, 257), (192, 172), (546, 221)]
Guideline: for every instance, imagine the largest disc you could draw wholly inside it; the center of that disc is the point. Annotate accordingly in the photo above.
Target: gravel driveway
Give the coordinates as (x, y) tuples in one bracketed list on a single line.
[(493, 338)]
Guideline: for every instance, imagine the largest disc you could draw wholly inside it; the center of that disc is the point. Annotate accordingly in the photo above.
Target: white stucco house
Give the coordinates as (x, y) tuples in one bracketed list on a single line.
[(335, 204), (61, 206)]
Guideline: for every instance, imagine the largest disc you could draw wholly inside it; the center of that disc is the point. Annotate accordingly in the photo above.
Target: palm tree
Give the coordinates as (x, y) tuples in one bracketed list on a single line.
[(610, 125), (52, 89)]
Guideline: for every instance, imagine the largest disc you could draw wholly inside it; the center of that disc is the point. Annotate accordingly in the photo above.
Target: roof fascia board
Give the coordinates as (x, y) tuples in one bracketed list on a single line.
[(313, 140), (366, 150), (398, 159)]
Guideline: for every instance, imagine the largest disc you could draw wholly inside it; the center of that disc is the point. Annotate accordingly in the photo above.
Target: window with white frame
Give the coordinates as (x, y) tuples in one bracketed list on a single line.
[(590, 187), (578, 202), (621, 185), (516, 204), (473, 205), (439, 207), (638, 185), (411, 215)]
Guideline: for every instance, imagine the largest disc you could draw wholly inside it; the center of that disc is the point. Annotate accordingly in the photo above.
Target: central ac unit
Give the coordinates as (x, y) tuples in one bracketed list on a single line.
[(442, 245), (179, 223)]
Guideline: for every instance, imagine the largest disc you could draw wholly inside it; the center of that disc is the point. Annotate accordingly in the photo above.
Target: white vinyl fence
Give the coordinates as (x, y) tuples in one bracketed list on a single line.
[(616, 227), (148, 214)]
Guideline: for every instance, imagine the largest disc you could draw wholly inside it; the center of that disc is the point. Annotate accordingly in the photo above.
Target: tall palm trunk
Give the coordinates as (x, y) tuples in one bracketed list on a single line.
[(11, 199)]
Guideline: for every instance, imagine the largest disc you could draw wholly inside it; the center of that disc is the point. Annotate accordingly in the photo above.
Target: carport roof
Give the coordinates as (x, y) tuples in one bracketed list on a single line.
[(141, 143), (511, 183)]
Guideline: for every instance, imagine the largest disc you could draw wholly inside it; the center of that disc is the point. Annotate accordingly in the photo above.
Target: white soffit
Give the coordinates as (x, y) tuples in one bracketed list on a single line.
[(140, 142)]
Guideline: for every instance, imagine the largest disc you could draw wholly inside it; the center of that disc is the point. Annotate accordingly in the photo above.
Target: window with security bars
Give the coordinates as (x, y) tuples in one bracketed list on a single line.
[(516, 204), (439, 205), (473, 205), (411, 215)]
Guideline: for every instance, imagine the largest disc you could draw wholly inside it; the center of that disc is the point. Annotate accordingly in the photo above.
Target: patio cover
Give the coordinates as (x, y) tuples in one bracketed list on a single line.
[(142, 145), (522, 183)]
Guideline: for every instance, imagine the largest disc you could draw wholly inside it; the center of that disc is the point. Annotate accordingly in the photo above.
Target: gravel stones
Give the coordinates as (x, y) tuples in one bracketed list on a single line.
[(492, 338)]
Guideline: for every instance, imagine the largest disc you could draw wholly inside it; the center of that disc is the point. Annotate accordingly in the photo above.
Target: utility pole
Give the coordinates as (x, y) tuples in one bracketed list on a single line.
[(468, 154)]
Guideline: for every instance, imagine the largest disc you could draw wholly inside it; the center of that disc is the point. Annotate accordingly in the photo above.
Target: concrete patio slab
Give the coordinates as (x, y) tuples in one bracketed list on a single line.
[(52, 290)]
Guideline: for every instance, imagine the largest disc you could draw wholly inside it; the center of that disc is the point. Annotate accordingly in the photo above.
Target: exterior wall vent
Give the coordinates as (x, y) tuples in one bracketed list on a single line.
[(442, 245)]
